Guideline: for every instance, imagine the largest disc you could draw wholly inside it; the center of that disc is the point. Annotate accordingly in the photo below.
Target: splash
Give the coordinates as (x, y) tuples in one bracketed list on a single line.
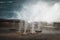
[(39, 11)]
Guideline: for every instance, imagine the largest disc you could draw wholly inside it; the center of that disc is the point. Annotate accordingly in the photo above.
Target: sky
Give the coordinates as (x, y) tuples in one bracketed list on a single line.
[(31, 10)]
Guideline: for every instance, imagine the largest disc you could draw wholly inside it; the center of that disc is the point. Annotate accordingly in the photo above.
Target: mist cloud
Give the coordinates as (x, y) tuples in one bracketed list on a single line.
[(41, 10), (31, 10)]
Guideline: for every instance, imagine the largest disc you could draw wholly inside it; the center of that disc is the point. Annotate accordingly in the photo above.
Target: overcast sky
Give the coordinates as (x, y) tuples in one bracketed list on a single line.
[(31, 10)]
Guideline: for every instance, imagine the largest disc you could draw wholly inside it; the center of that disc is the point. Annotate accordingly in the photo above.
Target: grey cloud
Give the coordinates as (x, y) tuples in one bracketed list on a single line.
[(7, 7), (51, 0)]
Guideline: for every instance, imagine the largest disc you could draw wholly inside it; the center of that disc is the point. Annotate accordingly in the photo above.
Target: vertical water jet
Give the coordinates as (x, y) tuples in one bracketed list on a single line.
[(32, 28), (39, 27), (25, 27)]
